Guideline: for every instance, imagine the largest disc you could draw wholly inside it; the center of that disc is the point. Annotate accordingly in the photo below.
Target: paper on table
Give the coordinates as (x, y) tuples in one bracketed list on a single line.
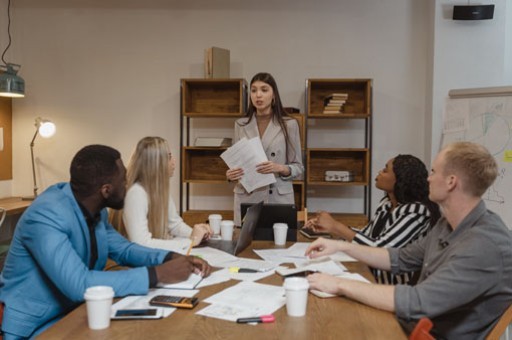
[(142, 302), (346, 275), (246, 299), (214, 257), (191, 283), (247, 154)]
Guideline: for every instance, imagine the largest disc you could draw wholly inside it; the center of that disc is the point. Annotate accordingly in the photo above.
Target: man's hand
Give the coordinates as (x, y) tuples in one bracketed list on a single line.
[(180, 267), (324, 283), (322, 247)]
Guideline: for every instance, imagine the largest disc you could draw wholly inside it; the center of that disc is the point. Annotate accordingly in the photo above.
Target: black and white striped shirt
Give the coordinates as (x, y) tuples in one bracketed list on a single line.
[(406, 223)]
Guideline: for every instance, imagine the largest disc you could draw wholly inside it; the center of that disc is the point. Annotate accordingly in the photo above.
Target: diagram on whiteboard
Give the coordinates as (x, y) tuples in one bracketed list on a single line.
[(486, 121)]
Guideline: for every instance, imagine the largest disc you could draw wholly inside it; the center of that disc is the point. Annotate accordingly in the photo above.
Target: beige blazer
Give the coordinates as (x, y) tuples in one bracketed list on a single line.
[(275, 148)]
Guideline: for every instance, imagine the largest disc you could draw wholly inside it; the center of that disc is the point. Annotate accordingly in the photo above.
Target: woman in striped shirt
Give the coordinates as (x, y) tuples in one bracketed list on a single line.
[(404, 214)]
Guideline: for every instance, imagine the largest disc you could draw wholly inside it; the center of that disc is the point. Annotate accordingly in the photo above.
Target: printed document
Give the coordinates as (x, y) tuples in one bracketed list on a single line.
[(246, 154)]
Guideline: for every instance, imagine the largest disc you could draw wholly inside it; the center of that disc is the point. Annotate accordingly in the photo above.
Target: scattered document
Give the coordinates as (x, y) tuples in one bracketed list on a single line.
[(247, 154), (214, 257), (246, 299), (142, 302), (191, 283)]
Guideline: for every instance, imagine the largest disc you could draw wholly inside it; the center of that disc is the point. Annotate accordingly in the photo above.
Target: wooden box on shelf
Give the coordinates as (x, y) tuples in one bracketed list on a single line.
[(203, 165), (357, 105), (213, 97), (354, 160)]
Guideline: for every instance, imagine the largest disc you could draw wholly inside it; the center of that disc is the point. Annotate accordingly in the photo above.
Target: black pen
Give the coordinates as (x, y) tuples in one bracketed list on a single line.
[(258, 319)]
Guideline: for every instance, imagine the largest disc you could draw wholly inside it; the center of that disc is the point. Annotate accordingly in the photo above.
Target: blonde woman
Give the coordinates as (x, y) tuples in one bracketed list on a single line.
[(149, 215)]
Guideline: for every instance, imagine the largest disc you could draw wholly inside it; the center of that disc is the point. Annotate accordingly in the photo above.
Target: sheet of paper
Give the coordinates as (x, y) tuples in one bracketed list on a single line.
[(214, 257), (242, 262), (142, 302), (246, 299), (247, 154), (191, 283)]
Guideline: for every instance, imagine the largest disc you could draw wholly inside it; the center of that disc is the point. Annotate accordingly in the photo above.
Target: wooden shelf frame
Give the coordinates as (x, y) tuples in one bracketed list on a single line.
[(357, 160)]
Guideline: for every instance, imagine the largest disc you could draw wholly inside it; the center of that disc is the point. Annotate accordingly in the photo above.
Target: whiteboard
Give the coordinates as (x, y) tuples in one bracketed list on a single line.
[(485, 117)]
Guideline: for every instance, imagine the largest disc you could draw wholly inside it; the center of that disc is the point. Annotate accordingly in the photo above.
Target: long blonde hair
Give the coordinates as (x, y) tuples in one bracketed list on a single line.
[(149, 167)]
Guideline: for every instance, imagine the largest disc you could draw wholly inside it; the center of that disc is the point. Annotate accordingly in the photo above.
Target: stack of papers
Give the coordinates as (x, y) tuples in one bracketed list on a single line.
[(246, 299)]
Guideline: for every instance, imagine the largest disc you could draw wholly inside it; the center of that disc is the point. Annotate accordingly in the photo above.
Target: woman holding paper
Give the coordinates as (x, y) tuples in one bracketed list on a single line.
[(280, 137), (149, 214)]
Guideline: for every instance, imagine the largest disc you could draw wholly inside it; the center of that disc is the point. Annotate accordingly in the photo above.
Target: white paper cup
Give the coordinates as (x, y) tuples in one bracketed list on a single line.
[(214, 220), (280, 231), (226, 230), (99, 302), (296, 295)]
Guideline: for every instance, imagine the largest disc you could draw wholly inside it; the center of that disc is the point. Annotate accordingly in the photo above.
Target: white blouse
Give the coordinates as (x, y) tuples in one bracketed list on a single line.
[(135, 218)]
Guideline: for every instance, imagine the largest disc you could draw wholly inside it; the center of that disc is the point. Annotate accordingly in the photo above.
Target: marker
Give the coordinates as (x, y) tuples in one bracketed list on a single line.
[(242, 270), (258, 319)]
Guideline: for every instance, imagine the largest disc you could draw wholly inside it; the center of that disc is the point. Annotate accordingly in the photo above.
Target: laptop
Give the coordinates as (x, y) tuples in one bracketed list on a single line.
[(274, 213), (246, 234)]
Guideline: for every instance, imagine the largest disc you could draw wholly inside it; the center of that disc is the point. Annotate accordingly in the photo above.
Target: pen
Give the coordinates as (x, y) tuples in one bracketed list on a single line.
[(242, 270), (257, 319), (190, 247)]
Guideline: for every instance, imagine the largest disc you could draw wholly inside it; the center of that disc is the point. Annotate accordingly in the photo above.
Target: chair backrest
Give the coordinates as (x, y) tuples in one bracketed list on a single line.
[(501, 326), (422, 330)]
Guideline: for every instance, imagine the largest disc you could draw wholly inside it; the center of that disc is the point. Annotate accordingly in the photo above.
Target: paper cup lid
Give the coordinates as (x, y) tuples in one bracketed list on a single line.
[(215, 216), (296, 283), (98, 293)]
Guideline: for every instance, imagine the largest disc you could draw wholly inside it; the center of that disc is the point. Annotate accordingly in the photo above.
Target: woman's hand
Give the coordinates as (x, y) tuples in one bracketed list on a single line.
[(234, 174), (200, 232), (270, 167), (322, 247)]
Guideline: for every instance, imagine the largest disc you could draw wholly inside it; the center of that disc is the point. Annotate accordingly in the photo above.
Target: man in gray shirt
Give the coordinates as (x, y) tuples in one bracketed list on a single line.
[(465, 260)]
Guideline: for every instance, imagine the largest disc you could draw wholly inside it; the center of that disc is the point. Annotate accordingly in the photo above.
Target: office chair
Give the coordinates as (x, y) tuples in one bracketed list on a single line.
[(501, 326)]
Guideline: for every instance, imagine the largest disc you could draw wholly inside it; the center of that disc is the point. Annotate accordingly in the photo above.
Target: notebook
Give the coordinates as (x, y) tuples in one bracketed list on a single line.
[(274, 213), (246, 234)]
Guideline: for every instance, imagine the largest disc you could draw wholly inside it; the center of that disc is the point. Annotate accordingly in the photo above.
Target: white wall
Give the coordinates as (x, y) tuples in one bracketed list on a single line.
[(469, 54), (109, 72)]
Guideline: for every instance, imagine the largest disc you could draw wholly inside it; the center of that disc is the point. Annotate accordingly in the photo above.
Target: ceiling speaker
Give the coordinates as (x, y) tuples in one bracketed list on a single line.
[(480, 12)]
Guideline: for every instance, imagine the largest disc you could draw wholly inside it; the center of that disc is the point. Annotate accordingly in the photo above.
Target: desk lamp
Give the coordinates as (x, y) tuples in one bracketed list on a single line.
[(46, 129)]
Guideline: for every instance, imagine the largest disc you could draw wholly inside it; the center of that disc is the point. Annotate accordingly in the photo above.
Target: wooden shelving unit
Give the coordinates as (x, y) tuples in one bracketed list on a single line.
[(356, 160)]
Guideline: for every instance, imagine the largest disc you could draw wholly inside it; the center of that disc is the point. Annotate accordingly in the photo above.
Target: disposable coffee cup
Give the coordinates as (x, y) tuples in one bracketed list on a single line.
[(98, 301), (214, 220), (226, 230), (296, 289), (280, 231)]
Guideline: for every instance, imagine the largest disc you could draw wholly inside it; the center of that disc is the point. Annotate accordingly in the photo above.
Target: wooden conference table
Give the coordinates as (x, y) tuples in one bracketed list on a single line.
[(332, 318)]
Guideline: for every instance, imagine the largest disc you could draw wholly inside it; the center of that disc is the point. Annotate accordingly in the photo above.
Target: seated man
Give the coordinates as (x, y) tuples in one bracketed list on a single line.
[(466, 260), (62, 242)]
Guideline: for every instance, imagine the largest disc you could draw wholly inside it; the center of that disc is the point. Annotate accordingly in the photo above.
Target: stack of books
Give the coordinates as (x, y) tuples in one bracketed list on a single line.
[(334, 102)]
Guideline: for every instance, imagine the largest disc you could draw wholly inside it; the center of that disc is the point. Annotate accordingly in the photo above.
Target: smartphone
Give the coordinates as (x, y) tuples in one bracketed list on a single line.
[(309, 233), (173, 301), (131, 313)]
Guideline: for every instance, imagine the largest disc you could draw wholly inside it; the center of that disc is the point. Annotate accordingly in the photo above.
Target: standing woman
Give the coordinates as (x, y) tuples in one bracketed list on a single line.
[(149, 214), (280, 137)]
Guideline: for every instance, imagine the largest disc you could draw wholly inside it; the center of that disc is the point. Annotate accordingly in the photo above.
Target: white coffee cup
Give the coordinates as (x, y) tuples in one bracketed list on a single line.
[(226, 229), (99, 302), (280, 231), (296, 295), (214, 220)]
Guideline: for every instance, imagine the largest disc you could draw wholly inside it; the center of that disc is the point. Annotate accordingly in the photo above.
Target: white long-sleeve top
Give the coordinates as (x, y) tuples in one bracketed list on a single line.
[(135, 218)]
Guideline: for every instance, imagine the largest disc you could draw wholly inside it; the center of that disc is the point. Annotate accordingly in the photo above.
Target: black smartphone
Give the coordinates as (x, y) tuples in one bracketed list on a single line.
[(174, 301), (309, 233), (136, 312)]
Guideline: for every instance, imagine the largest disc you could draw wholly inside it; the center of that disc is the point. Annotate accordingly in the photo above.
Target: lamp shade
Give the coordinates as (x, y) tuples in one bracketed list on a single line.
[(11, 85), (46, 128)]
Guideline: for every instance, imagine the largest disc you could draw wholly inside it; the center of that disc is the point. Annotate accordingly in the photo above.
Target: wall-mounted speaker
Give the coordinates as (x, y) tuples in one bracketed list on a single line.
[(480, 12)]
